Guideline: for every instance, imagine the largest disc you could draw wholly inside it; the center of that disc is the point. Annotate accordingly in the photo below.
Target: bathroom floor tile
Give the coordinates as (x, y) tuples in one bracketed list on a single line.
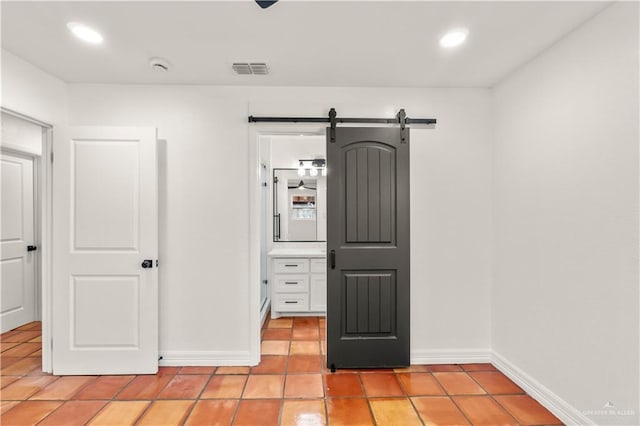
[(29, 412), (22, 350), (104, 387), (420, 384), (120, 413), (7, 405), (21, 367), (303, 386), (348, 412), (483, 410), (305, 347), (63, 388), (258, 412), (264, 386), (73, 413), (7, 380), (197, 370), (225, 386), (303, 412), (24, 387), (280, 323), (275, 347), (271, 364), (478, 367), (443, 368), (184, 386), (144, 387), (233, 370), (438, 410), (341, 385), (277, 334), (305, 333), (494, 382), (166, 413), (305, 322), (212, 413), (5, 346), (381, 384), (291, 385), (305, 364), (458, 384), (527, 410), (394, 411)]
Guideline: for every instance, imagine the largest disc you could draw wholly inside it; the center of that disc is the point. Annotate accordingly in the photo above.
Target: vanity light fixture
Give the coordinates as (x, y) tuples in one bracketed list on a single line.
[(85, 33), (454, 38), (315, 166)]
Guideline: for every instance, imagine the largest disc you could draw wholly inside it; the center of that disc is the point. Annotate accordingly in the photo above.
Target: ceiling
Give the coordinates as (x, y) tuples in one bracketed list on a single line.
[(328, 43)]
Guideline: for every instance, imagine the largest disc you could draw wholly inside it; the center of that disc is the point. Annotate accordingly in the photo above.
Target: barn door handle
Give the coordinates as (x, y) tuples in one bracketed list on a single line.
[(333, 259)]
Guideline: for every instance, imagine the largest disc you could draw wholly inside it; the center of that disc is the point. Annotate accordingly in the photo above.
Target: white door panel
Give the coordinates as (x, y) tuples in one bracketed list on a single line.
[(105, 224), (17, 265)]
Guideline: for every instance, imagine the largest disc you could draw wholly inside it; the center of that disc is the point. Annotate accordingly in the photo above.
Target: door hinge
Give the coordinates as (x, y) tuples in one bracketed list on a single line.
[(264, 184), (265, 281), (52, 157), (275, 179)]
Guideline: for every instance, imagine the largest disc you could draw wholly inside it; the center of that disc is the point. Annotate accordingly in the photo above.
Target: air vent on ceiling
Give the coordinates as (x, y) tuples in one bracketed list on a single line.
[(257, 68)]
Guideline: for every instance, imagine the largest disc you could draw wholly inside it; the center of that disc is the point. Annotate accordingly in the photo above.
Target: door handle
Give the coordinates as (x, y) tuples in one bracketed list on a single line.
[(333, 259), (147, 263), (32, 248)]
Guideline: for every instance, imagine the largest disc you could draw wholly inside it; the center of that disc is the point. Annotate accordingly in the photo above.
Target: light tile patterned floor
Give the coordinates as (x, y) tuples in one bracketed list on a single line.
[(290, 386)]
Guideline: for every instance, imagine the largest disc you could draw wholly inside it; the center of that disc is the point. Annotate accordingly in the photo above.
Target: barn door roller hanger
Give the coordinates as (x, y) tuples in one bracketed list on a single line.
[(333, 119)]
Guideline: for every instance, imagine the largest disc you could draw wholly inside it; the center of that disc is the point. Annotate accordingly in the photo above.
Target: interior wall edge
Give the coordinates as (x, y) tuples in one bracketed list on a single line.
[(566, 412)]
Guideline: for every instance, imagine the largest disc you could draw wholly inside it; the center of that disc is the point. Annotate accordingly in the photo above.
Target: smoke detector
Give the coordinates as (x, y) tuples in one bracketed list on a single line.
[(159, 64), (248, 68)]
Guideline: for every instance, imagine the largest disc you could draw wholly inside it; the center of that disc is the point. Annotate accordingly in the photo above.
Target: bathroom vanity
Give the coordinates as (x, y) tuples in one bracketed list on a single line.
[(298, 282)]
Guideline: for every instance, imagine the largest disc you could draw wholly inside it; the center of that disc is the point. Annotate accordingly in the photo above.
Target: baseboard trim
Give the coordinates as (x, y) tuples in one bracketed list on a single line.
[(552, 402), (450, 356), (204, 358)]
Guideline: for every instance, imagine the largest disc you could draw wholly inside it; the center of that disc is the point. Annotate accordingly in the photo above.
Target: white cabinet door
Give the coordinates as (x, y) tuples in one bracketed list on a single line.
[(105, 304), (17, 265), (318, 296)]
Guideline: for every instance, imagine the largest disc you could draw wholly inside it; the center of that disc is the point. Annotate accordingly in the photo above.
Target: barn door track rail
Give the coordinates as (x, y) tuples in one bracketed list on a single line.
[(333, 119)]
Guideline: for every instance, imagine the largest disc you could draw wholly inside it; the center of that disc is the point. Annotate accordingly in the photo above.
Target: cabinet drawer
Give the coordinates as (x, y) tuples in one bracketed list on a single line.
[(291, 283), (291, 302), (290, 266), (318, 266)]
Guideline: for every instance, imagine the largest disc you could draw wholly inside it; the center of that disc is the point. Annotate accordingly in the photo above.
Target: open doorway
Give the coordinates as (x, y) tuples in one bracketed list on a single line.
[(24, 235)]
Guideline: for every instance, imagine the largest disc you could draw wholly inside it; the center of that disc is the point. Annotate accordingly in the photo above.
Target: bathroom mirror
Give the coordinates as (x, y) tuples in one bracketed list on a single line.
[(299, 206)]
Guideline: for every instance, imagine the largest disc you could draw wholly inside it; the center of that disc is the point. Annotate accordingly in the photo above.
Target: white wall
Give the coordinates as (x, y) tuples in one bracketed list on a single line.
[(204, 288), (31, 91), (565, 292)]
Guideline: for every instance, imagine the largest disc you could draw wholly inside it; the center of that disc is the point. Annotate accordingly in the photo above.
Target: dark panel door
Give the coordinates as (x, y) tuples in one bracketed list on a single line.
[(368, 248)]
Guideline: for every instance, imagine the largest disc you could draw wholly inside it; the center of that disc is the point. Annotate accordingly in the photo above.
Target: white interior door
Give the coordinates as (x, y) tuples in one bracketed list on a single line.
[(105, 300), (17, 264)]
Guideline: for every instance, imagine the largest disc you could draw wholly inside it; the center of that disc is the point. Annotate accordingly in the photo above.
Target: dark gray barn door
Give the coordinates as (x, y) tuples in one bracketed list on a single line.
[(368, 248)]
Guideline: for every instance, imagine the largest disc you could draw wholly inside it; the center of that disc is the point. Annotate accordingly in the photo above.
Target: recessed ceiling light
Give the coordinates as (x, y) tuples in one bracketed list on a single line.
[(85, 33), (454, 38)]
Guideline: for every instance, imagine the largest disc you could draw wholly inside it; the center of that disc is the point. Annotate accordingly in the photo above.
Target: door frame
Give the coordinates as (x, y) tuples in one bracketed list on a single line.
[(257, 132), (42, 229)]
